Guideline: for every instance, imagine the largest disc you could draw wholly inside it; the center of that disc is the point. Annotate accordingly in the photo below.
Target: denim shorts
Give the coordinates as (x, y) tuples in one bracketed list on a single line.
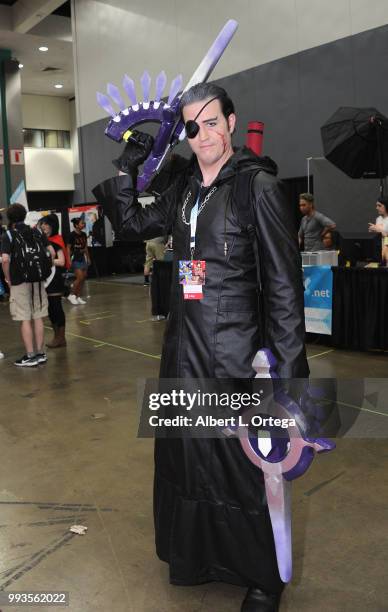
[(79, 265)]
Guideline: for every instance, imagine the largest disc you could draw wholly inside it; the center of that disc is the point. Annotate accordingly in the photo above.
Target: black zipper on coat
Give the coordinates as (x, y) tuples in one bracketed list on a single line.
[(181, 302)]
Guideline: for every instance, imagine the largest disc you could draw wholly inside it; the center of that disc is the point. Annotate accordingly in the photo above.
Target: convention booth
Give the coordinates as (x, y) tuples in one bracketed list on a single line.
[(348, 304)]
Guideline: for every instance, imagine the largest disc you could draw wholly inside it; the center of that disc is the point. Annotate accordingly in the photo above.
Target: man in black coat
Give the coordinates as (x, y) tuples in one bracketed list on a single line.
[(211, 517)]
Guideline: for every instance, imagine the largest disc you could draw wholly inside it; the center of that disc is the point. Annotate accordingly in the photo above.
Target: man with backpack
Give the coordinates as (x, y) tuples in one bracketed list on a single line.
[(230, 219), (27, 261)]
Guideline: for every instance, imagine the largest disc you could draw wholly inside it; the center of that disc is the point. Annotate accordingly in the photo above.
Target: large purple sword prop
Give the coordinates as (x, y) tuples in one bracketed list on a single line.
[(281, 460), (166, 114)]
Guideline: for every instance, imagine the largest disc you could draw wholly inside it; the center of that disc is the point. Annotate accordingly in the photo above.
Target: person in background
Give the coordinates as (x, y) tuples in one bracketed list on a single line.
[(314, 224), (97, 230), (381, 226), (78, 252), (155, 249), (330, 240), (3, 284), (55, 288), (28, 300), (327, 241), (4, 290), (169, 254)]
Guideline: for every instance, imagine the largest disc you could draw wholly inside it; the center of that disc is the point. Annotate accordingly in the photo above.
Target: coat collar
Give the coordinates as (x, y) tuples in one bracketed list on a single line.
[(241, 161)]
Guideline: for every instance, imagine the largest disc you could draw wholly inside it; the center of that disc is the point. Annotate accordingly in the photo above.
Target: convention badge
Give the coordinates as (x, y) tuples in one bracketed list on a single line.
[(185, 271), (198, 272), (192, 277), (192, 292)]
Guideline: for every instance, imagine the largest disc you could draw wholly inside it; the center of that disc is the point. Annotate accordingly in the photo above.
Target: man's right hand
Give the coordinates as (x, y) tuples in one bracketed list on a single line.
[(135, 153)]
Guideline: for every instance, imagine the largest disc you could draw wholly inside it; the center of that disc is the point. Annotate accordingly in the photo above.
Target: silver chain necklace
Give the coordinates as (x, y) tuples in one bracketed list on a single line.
[(203, 204)]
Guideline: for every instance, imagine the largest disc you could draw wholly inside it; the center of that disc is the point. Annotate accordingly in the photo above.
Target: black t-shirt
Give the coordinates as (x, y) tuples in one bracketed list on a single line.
[(78, 244), (6, 247), (57, 285)]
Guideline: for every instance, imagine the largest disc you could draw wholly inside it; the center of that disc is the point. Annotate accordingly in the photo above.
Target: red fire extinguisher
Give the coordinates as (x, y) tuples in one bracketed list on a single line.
[(254, 139)]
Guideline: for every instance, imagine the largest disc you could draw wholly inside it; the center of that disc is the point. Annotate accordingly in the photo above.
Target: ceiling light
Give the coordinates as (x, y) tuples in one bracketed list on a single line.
[(21, 65), (58, 85), (43, 48)]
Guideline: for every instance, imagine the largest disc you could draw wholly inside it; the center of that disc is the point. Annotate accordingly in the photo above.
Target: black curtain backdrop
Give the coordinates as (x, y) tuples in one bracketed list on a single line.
[(49, 200), (360, 308), (294, 187)]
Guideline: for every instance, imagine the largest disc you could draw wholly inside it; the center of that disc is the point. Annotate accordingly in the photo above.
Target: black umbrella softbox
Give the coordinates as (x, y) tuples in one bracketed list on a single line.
[(356, 141)]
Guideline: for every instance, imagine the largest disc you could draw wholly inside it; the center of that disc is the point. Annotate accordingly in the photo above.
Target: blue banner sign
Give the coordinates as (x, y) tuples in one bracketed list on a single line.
[(318, 293)]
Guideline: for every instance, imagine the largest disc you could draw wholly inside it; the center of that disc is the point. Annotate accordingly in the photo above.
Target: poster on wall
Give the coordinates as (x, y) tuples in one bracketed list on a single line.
[(318, 291), (34, 216), (19, 196), (93, 217)]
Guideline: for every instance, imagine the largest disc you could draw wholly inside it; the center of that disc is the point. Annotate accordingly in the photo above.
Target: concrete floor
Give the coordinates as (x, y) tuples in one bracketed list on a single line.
[(60, 466)]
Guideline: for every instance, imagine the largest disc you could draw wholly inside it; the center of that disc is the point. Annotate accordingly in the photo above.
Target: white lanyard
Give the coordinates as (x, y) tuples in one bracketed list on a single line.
[(193, 226)]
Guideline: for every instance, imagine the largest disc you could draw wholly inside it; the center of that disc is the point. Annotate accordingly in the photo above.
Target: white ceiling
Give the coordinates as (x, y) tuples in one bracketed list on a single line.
[(52, 31)]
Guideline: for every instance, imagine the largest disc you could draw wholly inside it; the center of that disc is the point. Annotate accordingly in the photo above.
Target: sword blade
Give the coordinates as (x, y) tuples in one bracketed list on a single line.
[(201, 74), (278, 492), (211, 58), (210, 61)]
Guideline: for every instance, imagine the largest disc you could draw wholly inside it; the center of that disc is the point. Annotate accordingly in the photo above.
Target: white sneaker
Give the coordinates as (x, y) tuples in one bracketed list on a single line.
[(72, 299), (1, 355), (80, 301)]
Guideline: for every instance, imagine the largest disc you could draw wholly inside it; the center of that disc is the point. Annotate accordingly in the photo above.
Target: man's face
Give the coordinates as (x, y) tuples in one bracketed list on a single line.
[(214, 138), (305, 207), (380, 208)]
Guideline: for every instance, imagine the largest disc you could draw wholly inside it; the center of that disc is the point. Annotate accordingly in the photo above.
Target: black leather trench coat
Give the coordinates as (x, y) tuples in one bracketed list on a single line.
[(211, 518)]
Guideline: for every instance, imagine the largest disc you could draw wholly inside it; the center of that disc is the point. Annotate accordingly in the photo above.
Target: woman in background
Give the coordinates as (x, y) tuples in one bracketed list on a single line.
[(2, 280), (55, 288), (381, 226), (80, 260), (4, 289)]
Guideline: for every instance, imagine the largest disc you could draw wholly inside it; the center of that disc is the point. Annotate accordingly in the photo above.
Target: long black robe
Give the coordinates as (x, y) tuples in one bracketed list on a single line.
[(211, 518)]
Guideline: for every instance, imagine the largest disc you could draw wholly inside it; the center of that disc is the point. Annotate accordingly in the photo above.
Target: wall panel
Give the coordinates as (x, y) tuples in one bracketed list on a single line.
[(119, 36), (49, 169), (45, 112), (294, 96)]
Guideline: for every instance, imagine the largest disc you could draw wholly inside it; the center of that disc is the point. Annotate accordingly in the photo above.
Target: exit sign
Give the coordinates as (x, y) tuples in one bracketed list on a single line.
[(17, 157)]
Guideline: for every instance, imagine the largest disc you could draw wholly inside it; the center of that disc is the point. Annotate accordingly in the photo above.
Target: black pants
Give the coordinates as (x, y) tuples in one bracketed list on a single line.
[(2, 279), (55, 310)]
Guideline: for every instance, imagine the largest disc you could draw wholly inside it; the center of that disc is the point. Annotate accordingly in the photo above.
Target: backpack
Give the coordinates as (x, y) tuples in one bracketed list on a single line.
[(30, 258), (243, 201)]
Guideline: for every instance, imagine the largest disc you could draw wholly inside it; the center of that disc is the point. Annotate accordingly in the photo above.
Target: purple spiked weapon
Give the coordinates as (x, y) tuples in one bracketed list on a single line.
[(166, 114)]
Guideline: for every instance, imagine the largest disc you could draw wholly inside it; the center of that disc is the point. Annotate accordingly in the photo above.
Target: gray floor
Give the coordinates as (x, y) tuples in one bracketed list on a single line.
[(60, 466), (130, 279)]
